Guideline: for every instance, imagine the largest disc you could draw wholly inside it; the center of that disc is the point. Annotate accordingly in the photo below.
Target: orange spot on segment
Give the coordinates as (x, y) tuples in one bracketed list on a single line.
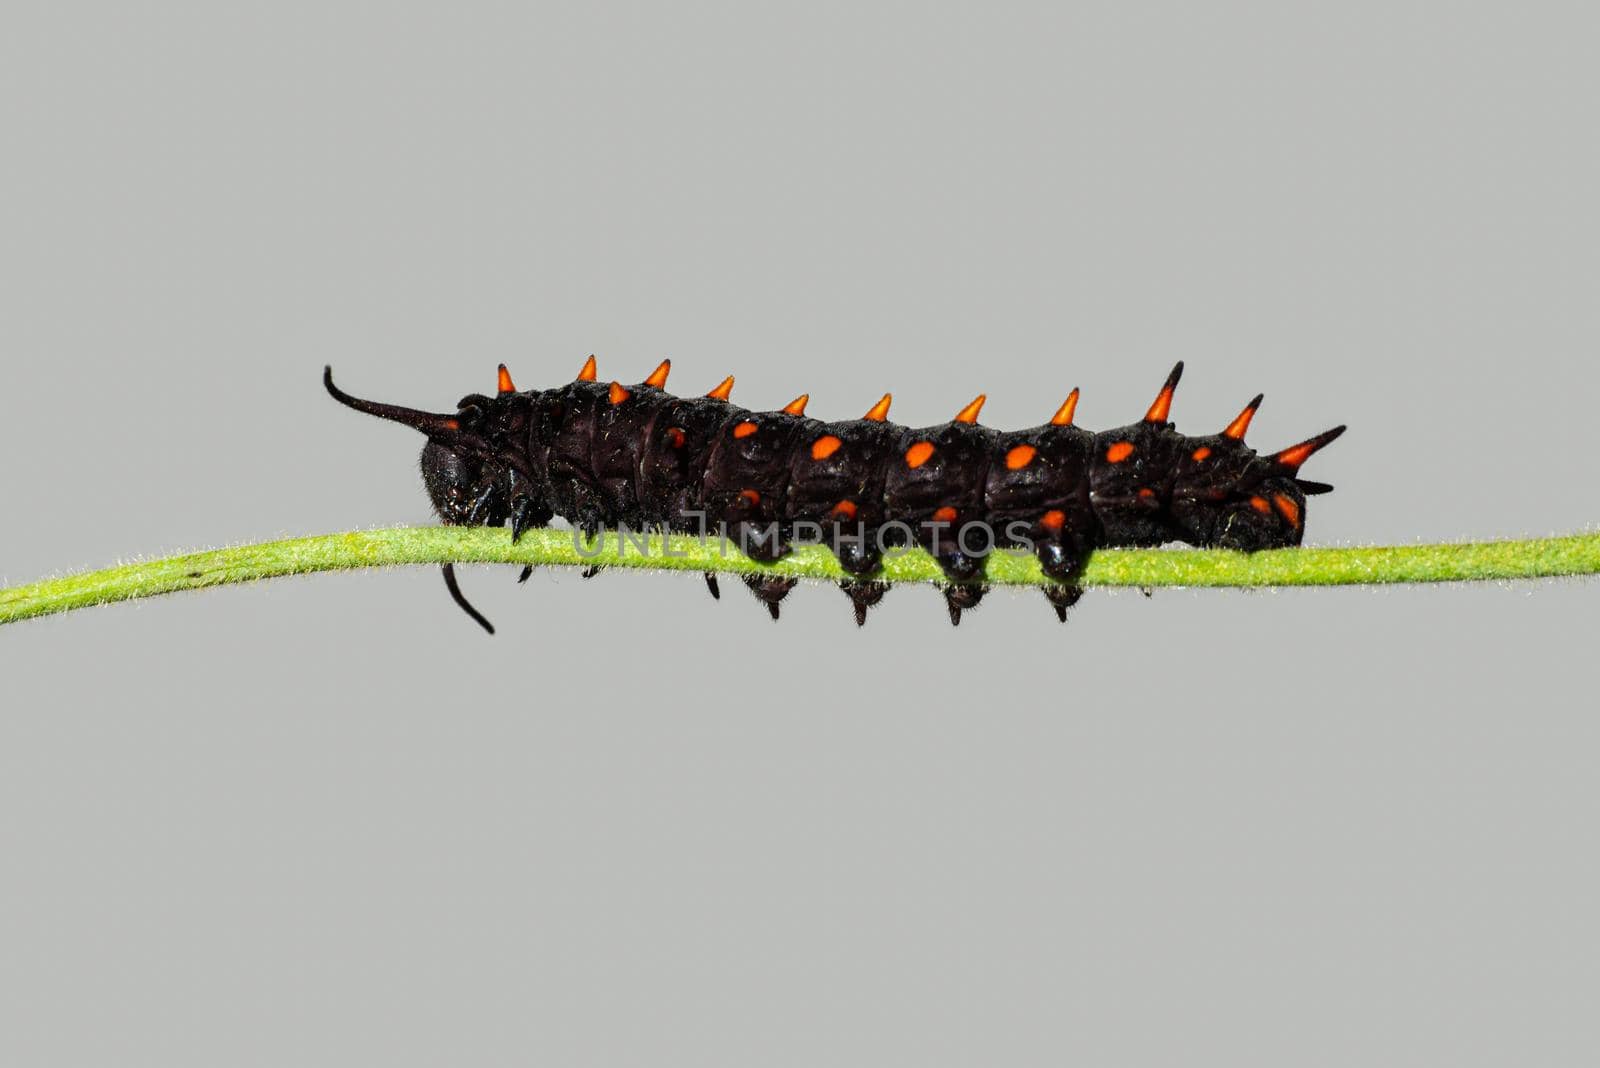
[(506, 385), (676, 437), (1162, 407), (1020, 456), (744, 429), (1200, 454), (723, 391), (750, 496), (452, 424), (1119, 452), (798, 405), (1287, 508), (1260, 504), (845, 510), (658, 377), (1064, 414), (824, 447), (880, 411), (618, 394), (969, 414), (588, 372), (1241, 422), (919, 453), (1054, 519), (946, 514)]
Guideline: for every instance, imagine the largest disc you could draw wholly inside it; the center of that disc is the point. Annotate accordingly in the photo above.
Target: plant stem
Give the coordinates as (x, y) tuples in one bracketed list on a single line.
[(1530, 558)]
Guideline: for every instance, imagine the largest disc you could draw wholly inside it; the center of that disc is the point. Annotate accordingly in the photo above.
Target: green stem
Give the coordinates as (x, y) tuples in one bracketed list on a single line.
[(1533, 558)]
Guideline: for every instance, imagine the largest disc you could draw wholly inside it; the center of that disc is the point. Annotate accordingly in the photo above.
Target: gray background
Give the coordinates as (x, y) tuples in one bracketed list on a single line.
[(327, 821)]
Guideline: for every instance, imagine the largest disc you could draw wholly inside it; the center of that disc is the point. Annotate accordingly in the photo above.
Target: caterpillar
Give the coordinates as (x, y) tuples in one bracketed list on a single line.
[(608, 455)]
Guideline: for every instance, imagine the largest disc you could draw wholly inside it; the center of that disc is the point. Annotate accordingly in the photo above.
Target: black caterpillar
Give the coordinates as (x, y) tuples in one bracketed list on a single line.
[(608, 455)]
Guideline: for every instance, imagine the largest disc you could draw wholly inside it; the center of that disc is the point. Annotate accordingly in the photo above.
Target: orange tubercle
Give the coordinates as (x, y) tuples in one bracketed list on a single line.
[(1068, 409), (1162, 407), (506, 385), (617, 394), (1287, 508), (969, 414), (1295, 455), (658, 377), (798, 405), (1241, 422), (1053, 520), (880, 411), (845, 509), (587, 374), (1260, 504), (946, 514), (723, 391)]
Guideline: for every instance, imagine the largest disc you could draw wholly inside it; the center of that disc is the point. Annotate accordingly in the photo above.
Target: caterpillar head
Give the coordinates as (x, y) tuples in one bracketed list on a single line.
[(467, 481)]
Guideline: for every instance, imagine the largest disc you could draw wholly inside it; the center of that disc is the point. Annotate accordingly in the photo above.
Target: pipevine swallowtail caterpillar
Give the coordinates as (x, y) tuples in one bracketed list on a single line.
[(605, 455)]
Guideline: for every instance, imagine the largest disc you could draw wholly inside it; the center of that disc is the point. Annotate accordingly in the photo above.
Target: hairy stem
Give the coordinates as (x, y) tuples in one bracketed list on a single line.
[(1531, 558)]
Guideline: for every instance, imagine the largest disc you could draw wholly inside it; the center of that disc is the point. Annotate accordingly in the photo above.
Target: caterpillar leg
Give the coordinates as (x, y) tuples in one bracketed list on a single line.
[(761, 542), (590, 520), (1062, 597), (711, 584), (863, 595), (960, 567), (1062, 559), (770, 590), (857, 553), (527, 509), (960, 597)]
